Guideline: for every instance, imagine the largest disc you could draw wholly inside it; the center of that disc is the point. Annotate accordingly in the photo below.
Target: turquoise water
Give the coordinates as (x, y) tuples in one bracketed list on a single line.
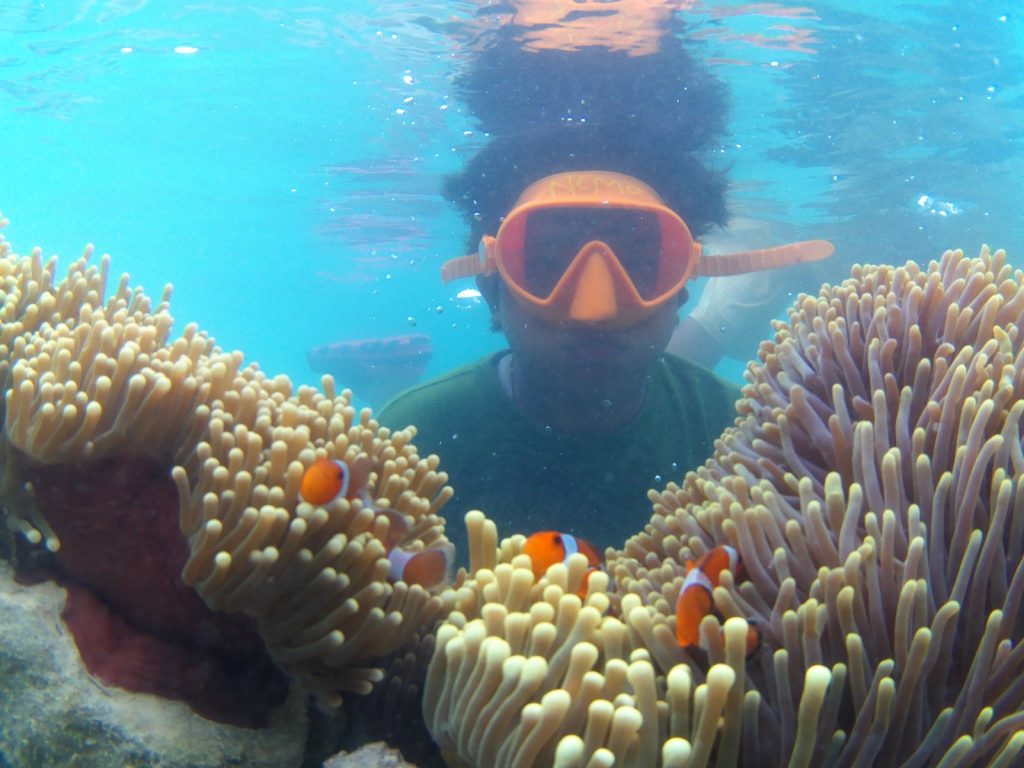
[(280, 164)]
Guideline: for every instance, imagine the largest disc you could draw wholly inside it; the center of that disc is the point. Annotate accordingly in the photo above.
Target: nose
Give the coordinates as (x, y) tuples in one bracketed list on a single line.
[(594, 298)]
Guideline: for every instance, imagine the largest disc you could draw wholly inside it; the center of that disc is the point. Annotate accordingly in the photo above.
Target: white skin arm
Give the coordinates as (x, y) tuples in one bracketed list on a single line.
[(733, 314), (691, 341)]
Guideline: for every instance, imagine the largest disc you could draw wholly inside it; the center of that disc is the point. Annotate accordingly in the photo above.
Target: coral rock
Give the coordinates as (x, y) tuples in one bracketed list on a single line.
[(56, 713)]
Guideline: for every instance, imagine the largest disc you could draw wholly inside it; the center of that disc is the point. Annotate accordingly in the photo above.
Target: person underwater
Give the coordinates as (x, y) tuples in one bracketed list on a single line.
[(546, 548), (584, 411), (695, 597), (327, 479)]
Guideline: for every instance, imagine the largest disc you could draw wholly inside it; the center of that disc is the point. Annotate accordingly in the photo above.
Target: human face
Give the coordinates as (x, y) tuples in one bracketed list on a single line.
[(569, 348)]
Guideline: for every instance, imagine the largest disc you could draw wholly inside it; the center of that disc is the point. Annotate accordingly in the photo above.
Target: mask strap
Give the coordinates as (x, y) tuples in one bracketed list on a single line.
[(462, 266), (767, 258), (481, 263)]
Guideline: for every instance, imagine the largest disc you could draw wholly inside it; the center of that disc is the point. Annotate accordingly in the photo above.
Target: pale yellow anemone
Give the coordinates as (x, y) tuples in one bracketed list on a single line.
[(88, 376)]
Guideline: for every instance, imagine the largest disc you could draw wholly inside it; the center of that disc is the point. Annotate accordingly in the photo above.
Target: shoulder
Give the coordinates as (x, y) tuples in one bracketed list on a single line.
[(441, 396), (697, 403), (697, 380)]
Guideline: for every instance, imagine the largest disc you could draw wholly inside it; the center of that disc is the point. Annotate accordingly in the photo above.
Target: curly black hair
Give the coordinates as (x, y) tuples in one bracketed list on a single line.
[(653, 117)]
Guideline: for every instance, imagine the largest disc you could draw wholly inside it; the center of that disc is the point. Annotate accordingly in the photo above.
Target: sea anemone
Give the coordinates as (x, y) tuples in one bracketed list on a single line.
[(872, 487), (156, 478)]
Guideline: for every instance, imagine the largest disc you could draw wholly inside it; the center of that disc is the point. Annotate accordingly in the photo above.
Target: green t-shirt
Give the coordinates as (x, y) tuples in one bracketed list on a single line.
[(528, 478)]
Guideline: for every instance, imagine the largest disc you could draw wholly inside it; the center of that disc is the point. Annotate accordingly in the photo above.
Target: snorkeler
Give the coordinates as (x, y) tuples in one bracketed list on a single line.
[(569, 427)]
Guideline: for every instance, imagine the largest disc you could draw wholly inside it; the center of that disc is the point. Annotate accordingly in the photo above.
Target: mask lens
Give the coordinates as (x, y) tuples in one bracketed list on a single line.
[(554, 236)]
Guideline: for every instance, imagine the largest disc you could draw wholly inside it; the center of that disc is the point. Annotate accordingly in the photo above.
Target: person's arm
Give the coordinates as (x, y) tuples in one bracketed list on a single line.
[(732, 315), (691, 341)]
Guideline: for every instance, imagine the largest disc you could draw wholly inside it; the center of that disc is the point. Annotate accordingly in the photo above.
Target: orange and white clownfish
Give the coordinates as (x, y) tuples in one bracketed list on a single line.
[(546, 548), (695, 601), (428, 567), (327, 479)]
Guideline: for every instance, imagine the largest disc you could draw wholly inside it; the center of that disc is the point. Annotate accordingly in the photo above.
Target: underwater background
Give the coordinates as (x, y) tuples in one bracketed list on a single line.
[(284, 167), (281, 164)]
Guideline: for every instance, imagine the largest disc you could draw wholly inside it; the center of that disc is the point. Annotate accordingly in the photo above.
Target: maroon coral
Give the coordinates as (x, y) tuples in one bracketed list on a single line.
[(100, 403), (135, 623)]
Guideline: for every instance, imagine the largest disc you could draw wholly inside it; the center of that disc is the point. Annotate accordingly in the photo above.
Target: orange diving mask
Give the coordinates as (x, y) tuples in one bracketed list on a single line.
[(597, 247)]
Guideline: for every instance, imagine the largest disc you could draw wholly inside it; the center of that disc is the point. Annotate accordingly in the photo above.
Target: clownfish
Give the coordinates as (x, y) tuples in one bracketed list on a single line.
[(695, 602), (428, 567), (546, 548), (327, 479)]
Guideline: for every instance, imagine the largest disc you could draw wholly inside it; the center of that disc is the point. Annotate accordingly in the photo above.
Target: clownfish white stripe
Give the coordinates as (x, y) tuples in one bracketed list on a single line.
[(346, 477), (697, 578), (734, 556), (398, 559), (570, 546)]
